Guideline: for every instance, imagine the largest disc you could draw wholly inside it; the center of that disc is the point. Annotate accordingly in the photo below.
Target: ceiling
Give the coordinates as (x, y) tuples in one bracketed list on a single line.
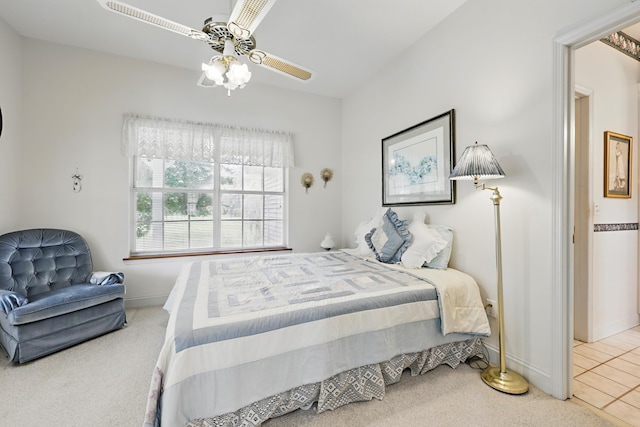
[(343, 42)]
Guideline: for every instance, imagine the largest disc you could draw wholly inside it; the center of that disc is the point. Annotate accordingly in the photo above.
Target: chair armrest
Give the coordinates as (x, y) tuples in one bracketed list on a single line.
[(10, 300), (106, 278)]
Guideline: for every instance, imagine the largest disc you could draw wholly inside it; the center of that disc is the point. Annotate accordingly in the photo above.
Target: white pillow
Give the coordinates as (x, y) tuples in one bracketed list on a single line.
[(427, 243), (441, 262), (365, 227)]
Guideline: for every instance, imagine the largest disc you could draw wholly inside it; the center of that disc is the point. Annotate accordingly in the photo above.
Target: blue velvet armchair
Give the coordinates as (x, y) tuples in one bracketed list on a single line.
[(50, 298)]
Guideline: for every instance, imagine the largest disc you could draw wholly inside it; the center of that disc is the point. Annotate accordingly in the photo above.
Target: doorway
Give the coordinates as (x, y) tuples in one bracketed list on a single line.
[(564, 186)]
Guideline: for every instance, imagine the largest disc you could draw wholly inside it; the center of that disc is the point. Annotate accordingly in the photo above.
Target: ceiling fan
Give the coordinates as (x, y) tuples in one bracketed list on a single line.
[(230, 40)]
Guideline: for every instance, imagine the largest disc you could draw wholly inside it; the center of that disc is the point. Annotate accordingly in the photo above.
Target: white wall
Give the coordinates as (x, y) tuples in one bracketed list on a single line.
[(74, 101), (612, 77), (491, 60), (11, 104)]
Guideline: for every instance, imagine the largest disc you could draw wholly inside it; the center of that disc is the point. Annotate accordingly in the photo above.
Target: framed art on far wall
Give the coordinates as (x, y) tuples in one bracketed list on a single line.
[(417, 162), (617, 165)]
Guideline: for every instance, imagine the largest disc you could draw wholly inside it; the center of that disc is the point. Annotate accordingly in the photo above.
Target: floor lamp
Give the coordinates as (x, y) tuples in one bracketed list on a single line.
[(477, 162)]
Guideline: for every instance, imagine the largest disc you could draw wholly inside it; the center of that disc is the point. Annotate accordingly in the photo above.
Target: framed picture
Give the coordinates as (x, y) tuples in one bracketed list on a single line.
[(617, 165), (417, 162)]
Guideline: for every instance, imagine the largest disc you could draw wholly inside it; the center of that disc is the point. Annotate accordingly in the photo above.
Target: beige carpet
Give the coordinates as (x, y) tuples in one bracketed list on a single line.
[(104, 382)]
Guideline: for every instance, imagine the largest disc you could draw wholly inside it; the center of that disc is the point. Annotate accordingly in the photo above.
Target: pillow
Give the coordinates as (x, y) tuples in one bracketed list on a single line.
[(426, 245), (441, 261), (106, 278), (390, 240), (362, 248), (10, 300)]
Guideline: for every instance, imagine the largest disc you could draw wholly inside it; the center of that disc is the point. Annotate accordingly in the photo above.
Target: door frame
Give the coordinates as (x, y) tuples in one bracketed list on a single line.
[(563, 176)]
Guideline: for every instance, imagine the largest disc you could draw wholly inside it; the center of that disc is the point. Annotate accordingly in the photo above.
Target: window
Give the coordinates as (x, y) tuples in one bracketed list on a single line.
[(229, 196)]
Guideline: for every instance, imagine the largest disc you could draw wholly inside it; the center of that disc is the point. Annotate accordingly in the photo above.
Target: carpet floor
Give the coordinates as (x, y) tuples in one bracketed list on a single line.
[(105, 381)]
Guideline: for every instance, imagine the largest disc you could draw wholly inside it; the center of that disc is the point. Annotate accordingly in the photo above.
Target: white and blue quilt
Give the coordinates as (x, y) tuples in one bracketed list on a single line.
[(245, 328)]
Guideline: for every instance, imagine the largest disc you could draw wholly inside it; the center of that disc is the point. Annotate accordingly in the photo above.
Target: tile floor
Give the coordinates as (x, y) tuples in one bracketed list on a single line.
[(606, 375)]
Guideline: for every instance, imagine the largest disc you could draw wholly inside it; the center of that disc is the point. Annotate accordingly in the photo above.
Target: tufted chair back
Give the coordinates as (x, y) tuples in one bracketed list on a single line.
[(41, 260)]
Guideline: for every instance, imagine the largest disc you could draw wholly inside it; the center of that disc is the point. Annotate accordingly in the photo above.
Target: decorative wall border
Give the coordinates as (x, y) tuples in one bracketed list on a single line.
[(616, 227), (624, 43)]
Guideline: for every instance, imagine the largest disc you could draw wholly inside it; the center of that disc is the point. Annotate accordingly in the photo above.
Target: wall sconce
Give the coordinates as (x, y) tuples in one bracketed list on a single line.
[(77, 182), (326, 174), (307, 181)]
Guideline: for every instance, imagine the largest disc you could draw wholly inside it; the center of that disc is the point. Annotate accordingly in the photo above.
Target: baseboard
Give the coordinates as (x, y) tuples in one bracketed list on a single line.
[(535, 376), (145, 301), (616, 327)]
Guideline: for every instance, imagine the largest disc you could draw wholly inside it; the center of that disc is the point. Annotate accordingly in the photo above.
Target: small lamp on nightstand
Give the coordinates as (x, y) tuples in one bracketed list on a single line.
[(477, 162), (327, 243)]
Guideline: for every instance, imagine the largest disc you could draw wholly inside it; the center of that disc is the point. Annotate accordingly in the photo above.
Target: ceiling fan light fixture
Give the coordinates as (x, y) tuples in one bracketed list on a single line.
[(238, 75), (227, 71), (215, 70)]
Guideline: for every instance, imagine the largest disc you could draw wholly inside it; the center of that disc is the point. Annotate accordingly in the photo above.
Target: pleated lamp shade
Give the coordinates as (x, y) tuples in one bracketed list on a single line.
[(477, 162)]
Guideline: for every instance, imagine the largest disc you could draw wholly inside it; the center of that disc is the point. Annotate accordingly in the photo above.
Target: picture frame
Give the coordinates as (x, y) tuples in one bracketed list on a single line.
[(617, 165), (417, 162)]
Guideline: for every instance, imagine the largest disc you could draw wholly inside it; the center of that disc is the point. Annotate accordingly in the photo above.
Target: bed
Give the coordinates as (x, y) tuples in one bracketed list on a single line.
[(252, 338)]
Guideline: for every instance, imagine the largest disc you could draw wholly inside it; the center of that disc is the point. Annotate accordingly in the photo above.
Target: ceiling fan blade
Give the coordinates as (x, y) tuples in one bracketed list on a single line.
[(150, 18), (277, 64), (246, 16)]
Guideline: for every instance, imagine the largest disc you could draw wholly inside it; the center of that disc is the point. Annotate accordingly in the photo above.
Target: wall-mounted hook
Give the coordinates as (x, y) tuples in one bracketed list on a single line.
[(77, 182)]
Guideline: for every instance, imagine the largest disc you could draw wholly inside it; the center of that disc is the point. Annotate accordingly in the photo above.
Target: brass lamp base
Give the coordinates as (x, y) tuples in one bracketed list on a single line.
[(507, 382)]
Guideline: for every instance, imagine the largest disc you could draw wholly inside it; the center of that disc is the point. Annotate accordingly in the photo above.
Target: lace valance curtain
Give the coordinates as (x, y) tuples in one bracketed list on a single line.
[(160, 138)]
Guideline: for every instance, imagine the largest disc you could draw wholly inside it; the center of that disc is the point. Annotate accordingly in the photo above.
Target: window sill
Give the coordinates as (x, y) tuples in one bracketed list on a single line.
[(197, 254)]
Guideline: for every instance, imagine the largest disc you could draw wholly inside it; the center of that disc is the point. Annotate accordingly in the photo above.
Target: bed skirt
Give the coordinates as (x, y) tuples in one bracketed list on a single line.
[(355, 385)]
